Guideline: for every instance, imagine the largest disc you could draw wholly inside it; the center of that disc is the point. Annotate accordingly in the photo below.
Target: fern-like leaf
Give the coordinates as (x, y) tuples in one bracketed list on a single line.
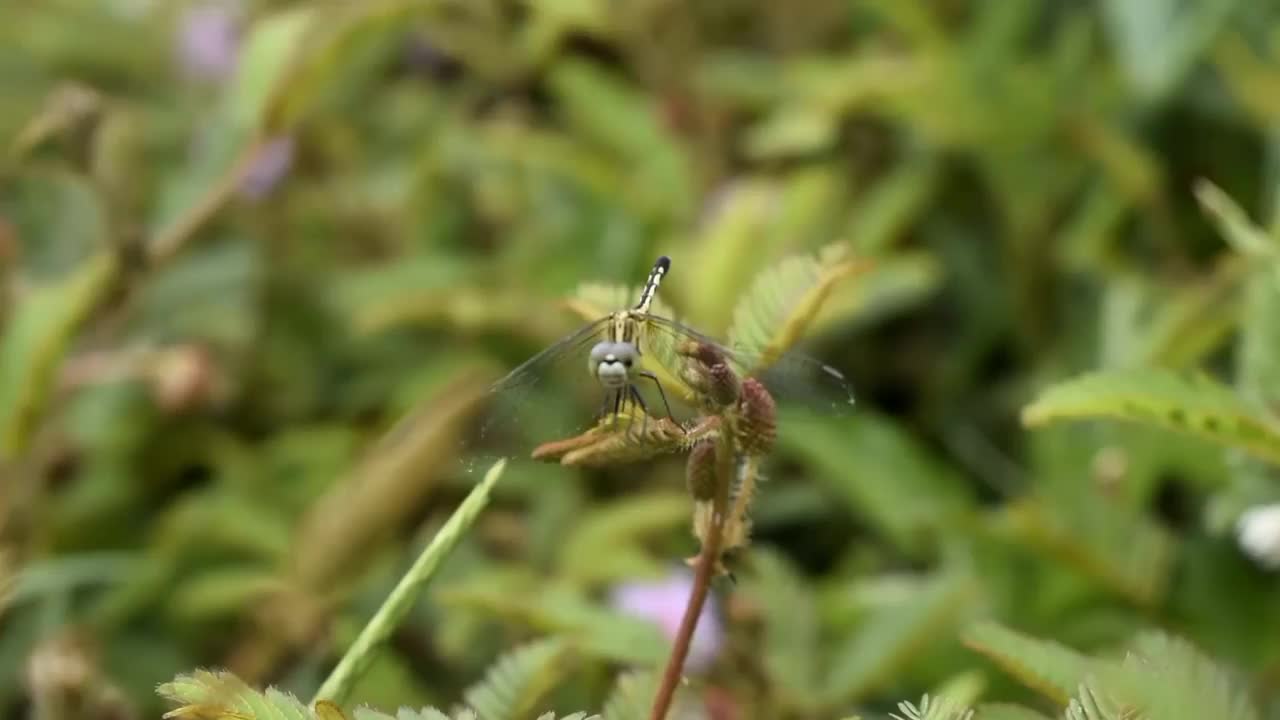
[(932, 709), (209, 695), (1045, 666), (1122, 549), (1005, 711), (632, 697), (515, 683), (1194, 405), (407, 714), (1090, 705), (775, 313), (892, 638), (1167, 677)]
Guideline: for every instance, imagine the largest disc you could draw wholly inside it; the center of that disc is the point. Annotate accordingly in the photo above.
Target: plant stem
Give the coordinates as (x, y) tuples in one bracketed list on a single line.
[(361, 653), (703, 573), (704, 570), (169, 240)]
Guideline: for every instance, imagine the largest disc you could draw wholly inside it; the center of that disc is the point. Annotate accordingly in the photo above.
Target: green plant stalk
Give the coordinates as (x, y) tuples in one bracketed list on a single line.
[(708, 561), (360, 655)]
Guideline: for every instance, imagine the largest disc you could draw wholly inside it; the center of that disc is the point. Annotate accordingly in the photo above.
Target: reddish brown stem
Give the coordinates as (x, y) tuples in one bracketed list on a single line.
[(705, 569), (703, 572)]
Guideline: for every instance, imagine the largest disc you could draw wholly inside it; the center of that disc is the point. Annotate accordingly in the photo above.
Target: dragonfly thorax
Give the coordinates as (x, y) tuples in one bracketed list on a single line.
[(611, 363)]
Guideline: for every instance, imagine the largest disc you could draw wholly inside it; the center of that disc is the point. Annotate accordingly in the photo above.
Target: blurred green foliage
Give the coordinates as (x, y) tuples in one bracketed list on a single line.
[(259, 261)]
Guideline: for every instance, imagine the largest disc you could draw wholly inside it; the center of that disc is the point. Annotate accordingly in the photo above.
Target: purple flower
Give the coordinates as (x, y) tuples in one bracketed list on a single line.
[(663, 602), (208, 39), (269, 166)]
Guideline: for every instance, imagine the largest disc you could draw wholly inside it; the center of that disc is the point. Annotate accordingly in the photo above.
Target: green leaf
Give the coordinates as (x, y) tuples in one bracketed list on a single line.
[(59, 220), (932, 708), (792, 131), (892, 283), (205, 694), (730, 242), (332, 52), (888, 207), (221, 593), (1004, 711), (402, 598), (196, 190), (1167, 677), (517, 681), (268, 53), (1258, 359), (791, 633), (1088, 705), (208, 294), (7, 580), (1043, 665), (776, 312), (364, 713), (892, 638), (1193, 405), (607, 544), (1159, 41), (1233, 224), (632, 696), (554, 20), (1118, 547), (595, 631), (34, 342), (602, 109), (881, 473)]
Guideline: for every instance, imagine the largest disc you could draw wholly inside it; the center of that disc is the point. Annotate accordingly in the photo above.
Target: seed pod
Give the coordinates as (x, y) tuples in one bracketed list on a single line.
[(757, 426), (710, 374), (722, 387), (700, 473)]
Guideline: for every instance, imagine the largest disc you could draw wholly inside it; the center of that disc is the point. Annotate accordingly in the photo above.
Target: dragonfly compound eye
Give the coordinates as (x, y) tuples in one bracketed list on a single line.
[(609, 362)]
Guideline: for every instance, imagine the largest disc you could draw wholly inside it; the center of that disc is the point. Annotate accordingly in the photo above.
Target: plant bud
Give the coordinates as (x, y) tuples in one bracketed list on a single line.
[(700, 473), (722, 386), (710, 374), (758, 419)]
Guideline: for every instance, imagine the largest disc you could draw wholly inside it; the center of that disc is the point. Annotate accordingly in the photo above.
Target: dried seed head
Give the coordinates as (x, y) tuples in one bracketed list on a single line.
[(757, 426), (615, 441), (700, 473)]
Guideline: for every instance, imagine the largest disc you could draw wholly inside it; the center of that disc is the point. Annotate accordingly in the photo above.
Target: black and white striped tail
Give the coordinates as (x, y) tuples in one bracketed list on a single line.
[(659, 270)]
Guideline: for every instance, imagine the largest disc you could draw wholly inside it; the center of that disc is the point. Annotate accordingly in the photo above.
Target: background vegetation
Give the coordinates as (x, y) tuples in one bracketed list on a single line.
[(260, 260)]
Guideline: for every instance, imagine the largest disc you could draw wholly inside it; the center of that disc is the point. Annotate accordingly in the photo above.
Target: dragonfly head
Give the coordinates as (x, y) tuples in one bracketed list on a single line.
[(611, 363)]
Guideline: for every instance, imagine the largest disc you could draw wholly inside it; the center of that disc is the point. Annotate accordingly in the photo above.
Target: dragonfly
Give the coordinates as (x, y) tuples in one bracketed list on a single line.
[(636, 359)]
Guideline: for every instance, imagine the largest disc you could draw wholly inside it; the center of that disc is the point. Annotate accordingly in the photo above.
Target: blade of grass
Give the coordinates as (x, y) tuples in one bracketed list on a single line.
[(361, 653)]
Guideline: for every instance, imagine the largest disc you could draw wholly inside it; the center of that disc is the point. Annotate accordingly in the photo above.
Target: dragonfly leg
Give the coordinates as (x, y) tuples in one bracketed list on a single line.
[(661, 393), (619, 401), (639, 401)]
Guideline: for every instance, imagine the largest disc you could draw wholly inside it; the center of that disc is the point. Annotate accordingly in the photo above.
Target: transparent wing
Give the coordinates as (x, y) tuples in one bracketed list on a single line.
[(544, 398), (792, 378)]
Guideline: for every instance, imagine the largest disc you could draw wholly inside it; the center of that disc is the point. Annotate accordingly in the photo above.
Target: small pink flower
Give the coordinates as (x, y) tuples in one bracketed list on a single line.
[(663, 602), (208, 39), (272, 163)]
